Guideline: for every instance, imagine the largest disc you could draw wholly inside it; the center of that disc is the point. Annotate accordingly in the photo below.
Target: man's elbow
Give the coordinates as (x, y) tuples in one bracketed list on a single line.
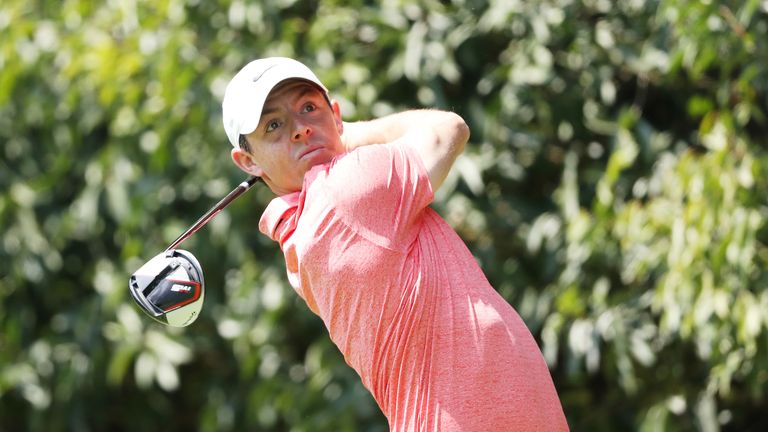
[(458, 132)]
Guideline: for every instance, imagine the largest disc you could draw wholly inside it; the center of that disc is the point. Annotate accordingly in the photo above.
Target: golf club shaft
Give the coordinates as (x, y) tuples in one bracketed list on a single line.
[(242, 187)]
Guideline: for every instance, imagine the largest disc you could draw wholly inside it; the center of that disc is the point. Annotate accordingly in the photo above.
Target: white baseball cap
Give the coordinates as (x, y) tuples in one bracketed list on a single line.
[(248, 90)]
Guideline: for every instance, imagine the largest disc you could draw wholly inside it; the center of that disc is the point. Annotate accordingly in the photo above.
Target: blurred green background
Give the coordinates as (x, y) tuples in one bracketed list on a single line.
[(614, 191)]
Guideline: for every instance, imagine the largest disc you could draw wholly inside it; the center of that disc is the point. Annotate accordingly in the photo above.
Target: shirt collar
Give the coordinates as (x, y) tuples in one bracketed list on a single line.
[(277, 220), (280, 217)]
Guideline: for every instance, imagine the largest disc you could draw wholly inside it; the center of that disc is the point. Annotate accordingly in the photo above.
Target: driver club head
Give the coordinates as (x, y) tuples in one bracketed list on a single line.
[(169, 288)]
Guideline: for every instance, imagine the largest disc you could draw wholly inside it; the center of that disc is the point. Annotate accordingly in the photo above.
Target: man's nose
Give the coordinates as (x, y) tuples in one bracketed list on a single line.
[(301, 131)]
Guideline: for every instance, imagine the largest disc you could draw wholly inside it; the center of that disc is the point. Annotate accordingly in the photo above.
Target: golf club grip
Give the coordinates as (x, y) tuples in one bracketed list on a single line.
[(236, 192)]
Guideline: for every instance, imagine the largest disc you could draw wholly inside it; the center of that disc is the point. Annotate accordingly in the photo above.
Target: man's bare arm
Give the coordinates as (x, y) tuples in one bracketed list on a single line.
[(437, 136)]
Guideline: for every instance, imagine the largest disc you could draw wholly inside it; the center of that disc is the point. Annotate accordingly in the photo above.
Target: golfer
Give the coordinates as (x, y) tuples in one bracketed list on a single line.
[(401, 295)]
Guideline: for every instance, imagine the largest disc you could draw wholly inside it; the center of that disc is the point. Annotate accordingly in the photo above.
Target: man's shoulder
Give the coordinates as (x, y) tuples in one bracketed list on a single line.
[(355, 166), (371, 159), (351, 178)]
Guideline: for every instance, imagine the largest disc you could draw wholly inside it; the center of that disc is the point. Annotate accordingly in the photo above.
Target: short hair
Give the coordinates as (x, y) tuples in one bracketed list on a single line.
[(244, 143)]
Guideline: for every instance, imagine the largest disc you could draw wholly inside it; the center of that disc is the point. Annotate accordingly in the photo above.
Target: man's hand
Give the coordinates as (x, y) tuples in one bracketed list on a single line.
[(437, 136)]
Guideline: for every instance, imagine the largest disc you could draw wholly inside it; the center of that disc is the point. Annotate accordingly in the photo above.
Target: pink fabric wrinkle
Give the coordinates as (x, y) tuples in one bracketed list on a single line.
[(406, 302)]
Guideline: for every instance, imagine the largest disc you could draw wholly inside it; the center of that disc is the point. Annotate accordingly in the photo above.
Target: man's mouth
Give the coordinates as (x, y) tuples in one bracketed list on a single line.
[(309, 151)]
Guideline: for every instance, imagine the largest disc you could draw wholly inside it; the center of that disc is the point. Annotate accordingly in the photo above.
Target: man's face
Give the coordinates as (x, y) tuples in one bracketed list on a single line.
[(297, 130)]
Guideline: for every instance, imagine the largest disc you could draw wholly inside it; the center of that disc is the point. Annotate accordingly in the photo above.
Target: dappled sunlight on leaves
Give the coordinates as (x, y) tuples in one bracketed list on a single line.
[(613, 191)]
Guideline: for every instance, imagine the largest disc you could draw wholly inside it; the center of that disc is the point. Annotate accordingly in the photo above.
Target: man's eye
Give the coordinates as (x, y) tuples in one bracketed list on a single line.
[(274, 124), (309, 107)]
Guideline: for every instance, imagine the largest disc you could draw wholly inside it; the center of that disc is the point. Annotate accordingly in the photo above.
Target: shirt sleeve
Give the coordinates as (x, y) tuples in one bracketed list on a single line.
[(381, 192)]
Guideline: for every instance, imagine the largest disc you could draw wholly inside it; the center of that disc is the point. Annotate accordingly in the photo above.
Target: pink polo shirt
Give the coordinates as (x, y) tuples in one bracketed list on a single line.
[(406, 303)]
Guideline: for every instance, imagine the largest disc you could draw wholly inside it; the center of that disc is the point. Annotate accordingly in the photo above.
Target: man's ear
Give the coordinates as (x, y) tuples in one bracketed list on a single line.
[(337, 116), (245, 162)]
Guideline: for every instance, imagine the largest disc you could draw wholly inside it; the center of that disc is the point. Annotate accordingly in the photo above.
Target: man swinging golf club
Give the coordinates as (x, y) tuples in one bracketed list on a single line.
[(401, 295)]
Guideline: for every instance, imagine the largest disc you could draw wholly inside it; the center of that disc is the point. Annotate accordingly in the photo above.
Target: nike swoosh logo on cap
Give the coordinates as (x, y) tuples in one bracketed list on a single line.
[(262, 73)]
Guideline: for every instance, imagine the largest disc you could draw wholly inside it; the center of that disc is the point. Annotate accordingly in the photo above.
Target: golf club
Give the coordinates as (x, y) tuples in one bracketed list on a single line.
[(170, 287)]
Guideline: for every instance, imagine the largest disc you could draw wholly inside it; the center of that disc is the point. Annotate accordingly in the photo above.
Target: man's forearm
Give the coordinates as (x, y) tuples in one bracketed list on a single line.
[(392, 127), (437, 136)]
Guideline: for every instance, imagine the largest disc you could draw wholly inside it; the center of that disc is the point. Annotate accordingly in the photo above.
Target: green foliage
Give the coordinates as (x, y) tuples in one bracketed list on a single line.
[(613, 191)]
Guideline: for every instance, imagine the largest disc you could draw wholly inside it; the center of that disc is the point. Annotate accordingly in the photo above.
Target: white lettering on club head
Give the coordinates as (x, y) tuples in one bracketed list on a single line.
[(181, 288)]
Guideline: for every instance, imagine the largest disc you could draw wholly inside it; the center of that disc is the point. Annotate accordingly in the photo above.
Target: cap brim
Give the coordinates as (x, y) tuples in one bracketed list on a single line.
[(251, 120), (248, 91)]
